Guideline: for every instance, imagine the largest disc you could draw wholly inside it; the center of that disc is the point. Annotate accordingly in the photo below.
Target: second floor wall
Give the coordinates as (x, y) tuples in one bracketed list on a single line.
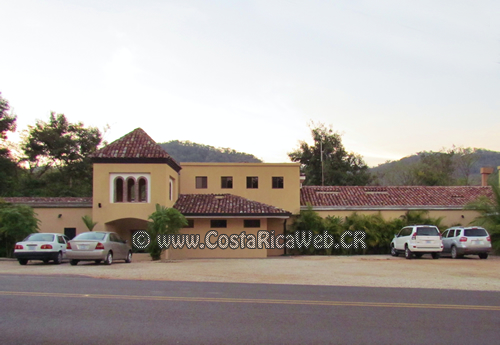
[(121, 190), (276, 184)]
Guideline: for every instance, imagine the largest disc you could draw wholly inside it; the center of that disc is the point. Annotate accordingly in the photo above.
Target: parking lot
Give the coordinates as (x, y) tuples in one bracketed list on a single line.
[(469, 273)]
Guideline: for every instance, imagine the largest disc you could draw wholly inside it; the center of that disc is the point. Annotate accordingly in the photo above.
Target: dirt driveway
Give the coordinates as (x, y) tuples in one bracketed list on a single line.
[(374, 270)]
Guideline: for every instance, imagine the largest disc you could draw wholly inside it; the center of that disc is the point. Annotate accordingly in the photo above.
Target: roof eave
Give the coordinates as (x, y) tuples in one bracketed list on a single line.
[(117, 160)]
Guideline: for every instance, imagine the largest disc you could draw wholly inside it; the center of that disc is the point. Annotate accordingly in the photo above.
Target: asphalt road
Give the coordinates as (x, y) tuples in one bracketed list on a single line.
[(78, 310)]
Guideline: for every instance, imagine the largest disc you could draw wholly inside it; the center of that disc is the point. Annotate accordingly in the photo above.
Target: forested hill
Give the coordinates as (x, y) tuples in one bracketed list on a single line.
[(448, 169), (186, 151)]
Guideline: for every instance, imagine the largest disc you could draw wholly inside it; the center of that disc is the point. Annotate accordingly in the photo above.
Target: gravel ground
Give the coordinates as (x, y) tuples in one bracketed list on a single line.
[(372, 270)]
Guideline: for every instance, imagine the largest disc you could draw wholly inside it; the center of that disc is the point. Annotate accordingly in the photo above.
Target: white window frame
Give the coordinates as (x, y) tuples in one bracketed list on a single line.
[(125, 176)]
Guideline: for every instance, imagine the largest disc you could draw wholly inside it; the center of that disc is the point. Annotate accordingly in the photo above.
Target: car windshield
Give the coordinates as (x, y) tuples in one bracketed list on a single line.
[(40, 237), (475, 233), (427, 231), (99, 236)]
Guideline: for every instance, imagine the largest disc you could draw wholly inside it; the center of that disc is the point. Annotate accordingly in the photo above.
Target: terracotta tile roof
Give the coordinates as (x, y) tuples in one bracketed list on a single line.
[(344, 197), (43, 202), (224, 205), (134, 147)]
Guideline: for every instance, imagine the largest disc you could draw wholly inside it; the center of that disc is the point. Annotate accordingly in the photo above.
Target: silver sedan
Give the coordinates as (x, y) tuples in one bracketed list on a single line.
[(98, 246)]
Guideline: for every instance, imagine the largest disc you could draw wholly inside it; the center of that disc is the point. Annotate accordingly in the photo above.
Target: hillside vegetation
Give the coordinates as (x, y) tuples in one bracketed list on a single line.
[(186, 151), (457, 166)]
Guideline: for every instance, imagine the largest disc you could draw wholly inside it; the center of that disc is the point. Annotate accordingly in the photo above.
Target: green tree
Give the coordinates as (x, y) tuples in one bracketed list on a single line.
[(489, 215), (328, 163), (7, 121), (59, 151), (16, 222), (435, 168), (8, 167), (162, 222), (89, 223)]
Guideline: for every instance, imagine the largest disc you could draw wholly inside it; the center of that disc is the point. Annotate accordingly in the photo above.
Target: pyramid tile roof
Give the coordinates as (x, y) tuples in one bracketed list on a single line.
[(134, 147), (224, 205), (345, 197)]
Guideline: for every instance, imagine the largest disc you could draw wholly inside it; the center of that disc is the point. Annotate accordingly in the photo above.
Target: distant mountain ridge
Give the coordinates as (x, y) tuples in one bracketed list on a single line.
[(186, 151)]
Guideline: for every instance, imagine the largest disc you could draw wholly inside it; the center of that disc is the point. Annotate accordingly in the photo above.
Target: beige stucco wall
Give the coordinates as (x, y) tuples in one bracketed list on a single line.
[(160, 175), (450, 217), (70, 218), (287, 198), (277, 226), (234, 226)]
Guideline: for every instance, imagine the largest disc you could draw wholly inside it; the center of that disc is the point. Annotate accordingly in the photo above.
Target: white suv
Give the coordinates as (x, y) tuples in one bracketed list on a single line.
[(418, 240)]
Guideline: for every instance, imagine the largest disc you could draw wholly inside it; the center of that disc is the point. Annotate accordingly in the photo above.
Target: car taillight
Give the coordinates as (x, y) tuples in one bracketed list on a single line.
[(463, 239), (488, 239), (414, 237), (18, 246), (99, 246), (46, 246), (68, 246)]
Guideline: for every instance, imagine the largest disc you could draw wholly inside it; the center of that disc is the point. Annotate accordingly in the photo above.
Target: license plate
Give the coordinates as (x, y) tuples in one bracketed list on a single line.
[(477, 242), (428, 242), (33, 247), (83, 246)]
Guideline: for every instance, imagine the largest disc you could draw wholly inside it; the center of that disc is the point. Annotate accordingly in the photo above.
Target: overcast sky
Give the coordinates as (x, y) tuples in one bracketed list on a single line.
[(395, 77)]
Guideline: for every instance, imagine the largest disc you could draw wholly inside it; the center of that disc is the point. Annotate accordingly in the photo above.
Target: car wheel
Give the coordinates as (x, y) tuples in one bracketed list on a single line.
[(45, 261), (23, 261), (454, 254), (97, 262), (418, 255), (408, 253), (435, 255), (109, 259), (483, 255), (129, 258), (58, 259), (73, 262), (394, 252)]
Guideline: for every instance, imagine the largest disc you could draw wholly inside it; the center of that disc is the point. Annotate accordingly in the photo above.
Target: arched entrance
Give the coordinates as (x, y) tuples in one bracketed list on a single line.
[(125, 227)]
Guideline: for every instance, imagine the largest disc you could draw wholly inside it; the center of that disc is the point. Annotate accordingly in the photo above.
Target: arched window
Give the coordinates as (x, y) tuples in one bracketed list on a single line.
[(130, 190), (119, 190), (130, 187), (171, 190), (143, 196)]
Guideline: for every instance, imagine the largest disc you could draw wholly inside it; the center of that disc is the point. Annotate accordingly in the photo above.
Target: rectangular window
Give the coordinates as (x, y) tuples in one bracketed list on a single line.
[(251, 223), (252, 182), (190, 223), (226, 182), (218, 223), (278, 181), (201, 182)]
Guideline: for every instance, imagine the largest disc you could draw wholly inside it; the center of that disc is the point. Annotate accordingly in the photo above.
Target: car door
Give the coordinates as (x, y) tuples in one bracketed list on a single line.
[(117, 246), (402, 237), (448, 240), (61, 242)]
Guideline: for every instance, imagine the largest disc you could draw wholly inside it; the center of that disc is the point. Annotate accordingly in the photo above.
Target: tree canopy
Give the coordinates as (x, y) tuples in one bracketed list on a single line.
[(57, 153), (328, 163), (7, 121), (16, 222)]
